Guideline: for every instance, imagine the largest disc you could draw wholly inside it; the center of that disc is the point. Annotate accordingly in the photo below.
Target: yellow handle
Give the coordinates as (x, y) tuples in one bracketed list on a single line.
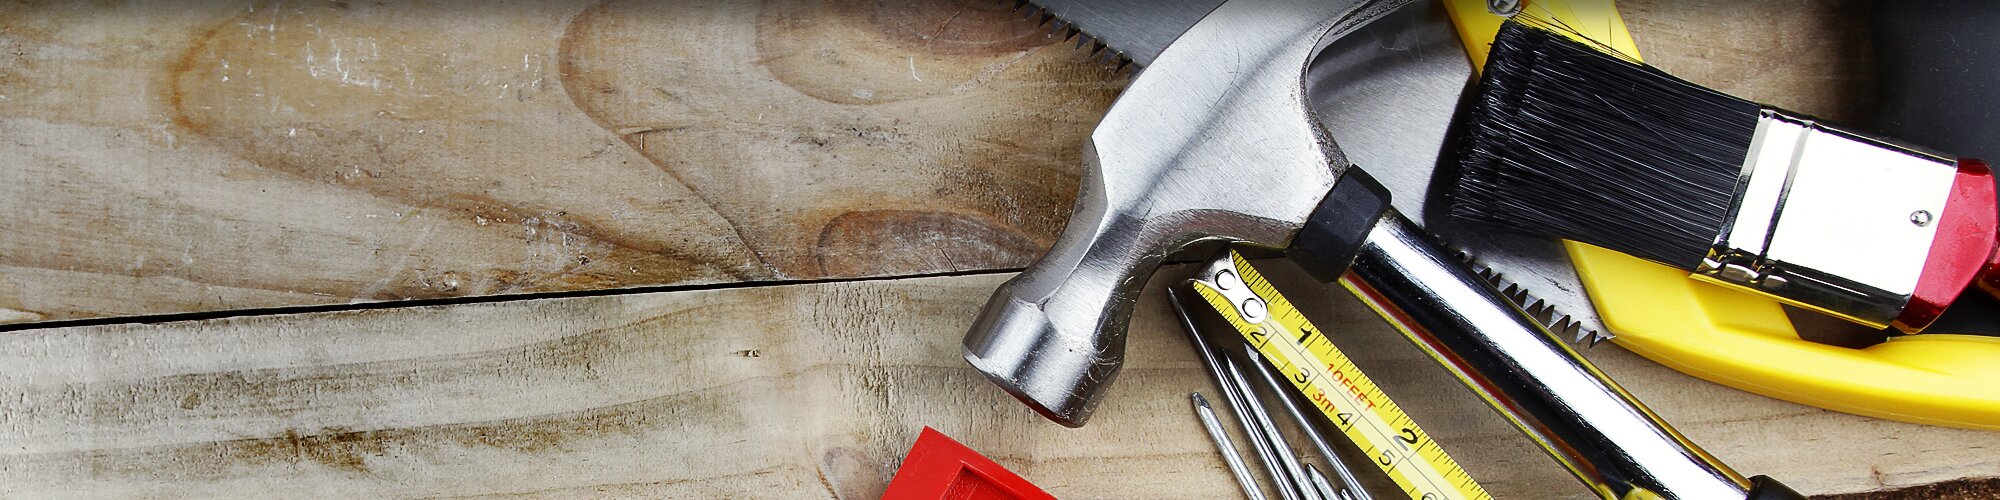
[(1748, 342)]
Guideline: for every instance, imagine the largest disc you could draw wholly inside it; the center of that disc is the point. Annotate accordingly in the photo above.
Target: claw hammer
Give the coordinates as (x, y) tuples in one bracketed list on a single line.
[(1223, 112)]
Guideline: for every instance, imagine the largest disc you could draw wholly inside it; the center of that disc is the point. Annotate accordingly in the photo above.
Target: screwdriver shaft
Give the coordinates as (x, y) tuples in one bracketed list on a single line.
[(1261, 422), (1269, 375), (1228, 449), (1325, 488), (1287, 490)]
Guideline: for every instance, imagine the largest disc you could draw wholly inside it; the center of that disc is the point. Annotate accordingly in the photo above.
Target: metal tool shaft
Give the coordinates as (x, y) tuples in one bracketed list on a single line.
[(1234, 396), (1326, 488), (1260, 421), (1226, 447), (1593, 427), (1312, 431)]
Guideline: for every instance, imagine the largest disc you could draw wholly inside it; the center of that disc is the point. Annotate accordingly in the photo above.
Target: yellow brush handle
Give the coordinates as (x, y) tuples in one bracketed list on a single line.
[(1748, 342), (1595, 20)]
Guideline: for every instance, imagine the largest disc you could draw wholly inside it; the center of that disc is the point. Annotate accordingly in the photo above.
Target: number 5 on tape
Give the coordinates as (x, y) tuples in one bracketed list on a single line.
[(1352, 402)]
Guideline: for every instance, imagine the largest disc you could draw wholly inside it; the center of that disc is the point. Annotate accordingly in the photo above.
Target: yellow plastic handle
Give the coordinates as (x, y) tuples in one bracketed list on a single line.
[(1744, 341)]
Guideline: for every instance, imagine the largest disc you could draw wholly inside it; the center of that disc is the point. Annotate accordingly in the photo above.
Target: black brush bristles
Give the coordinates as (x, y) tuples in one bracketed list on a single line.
[(1568, 141)]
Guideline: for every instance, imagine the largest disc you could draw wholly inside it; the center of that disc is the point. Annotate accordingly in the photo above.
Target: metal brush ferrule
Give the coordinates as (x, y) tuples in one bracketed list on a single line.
[(1829, 220)]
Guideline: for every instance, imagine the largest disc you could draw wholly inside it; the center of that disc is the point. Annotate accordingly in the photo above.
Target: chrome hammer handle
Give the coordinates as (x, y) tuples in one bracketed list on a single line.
[(1598, 431)]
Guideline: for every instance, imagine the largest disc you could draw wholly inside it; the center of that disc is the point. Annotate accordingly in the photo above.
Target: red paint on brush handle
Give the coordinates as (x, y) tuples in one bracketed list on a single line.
[(1989, 278), (1991, 275), (1964, 251)]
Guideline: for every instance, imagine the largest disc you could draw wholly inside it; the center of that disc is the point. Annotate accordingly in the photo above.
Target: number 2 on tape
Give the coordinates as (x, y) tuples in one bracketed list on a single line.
[(1348, 398)]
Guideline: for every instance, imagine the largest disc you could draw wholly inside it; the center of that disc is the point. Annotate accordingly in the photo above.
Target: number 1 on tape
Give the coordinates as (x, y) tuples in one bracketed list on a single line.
[(1348, 398)]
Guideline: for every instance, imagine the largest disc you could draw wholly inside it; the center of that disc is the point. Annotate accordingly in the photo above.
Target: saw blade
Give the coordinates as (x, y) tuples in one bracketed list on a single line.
[(1131, 30), (1535, 274), (1387, 106)]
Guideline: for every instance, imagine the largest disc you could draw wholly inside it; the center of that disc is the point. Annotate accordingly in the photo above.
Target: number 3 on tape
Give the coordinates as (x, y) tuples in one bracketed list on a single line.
[(1352, 402)]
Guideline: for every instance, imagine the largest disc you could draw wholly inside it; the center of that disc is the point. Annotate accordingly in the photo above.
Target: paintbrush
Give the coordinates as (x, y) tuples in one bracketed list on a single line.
[(1569, 140)]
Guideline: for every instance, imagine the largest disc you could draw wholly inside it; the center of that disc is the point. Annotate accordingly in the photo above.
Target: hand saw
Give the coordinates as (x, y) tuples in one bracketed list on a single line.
[(1388, 97)]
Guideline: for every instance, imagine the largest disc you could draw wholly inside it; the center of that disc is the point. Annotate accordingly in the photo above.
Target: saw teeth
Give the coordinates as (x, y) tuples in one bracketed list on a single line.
[(1569, 329), (1595, 338), (1543, 312), (1053, 25), (1030, 12)]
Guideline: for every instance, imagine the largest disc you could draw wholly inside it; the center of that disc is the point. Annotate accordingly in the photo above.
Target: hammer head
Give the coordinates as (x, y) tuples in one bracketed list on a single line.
[(1213, 141)]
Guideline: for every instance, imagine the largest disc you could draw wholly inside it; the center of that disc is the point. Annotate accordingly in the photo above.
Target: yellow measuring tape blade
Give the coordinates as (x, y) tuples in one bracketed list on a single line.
[(1354, 404)]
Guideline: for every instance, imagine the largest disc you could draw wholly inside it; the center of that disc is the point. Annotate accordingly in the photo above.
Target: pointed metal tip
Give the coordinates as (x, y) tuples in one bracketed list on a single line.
[(1320, 484), (1199, 402)]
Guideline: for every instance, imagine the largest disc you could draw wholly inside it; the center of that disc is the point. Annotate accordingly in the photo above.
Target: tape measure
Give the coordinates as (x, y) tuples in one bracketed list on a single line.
[(1304, 356)]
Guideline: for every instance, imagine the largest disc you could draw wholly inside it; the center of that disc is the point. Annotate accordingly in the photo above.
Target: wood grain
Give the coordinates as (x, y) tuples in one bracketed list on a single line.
[(208, 155), (168, 157), (805, 391), (189, 156), (1812, 56)]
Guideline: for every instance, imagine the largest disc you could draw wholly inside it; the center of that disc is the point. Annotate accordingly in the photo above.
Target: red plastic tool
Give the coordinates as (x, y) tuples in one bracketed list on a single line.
[(938, 468)]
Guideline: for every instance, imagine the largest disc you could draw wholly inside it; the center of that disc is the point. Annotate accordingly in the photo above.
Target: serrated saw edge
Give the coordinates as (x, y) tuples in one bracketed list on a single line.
[(1543, 311), (1056, 27)]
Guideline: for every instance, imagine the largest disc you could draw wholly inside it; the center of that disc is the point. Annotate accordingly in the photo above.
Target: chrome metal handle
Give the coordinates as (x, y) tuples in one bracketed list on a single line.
[(1593, 427)]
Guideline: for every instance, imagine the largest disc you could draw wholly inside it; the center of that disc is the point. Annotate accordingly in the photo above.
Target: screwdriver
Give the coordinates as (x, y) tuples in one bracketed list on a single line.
[(1287, 490), (1228, 449), (1270, 378)]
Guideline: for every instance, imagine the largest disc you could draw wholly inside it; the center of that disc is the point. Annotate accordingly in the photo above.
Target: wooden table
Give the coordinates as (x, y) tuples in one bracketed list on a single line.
[(801, 206)]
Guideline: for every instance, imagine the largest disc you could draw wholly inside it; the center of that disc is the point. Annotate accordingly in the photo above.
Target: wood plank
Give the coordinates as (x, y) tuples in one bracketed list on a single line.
[(1813, 56), (222, 155), (169, 157), (762, 392), (206, 155)]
